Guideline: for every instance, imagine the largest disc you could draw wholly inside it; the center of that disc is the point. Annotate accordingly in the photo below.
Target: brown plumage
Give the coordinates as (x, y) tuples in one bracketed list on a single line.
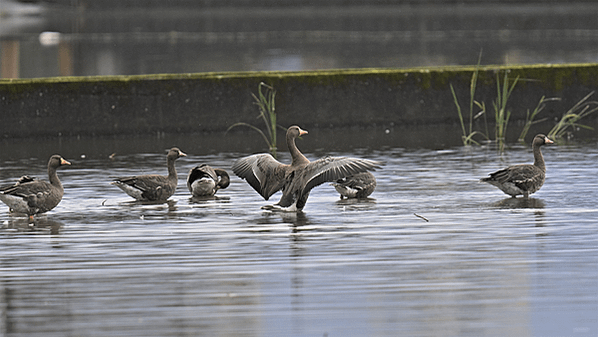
[(203, 180), (267, 175), (153, 187), (359, 185), (523, 179), (31, 196)]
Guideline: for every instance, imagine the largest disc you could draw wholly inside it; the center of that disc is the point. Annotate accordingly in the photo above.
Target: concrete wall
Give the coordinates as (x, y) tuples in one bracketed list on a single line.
[(210, 102)]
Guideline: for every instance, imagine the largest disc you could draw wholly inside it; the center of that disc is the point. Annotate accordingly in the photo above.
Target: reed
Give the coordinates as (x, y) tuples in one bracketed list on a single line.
[(530, 117), (570, 118), (501, 113), (265, 100), (467, 136)]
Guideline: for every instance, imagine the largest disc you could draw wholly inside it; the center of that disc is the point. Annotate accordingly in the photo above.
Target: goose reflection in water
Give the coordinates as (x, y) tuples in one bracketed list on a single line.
[(357, 202), (208, 198), (520, 203), (296, 219), (38, 225)]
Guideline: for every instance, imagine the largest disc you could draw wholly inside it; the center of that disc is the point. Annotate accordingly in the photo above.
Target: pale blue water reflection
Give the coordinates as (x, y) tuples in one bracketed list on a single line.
[(101, 264)]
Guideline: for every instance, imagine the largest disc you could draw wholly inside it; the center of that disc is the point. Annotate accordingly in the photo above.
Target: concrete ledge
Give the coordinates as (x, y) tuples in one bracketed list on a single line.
[(211, 102)]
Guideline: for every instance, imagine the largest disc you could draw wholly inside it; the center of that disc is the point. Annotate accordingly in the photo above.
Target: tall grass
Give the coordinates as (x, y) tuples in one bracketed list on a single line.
[(501, 113), (467, 136), (530, 117), (265, 100), (571, 117)]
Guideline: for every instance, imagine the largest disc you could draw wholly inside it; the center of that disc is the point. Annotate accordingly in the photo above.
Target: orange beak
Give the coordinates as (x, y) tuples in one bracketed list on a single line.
[(64, 162), (302, 132), (547, 141)]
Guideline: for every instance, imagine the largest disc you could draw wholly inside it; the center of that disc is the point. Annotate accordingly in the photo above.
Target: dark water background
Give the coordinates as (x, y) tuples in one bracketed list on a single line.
[(103, 37), (483, 264)]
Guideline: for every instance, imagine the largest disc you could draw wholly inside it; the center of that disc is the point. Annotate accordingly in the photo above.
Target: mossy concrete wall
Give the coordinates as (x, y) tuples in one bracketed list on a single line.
[(210, 102)]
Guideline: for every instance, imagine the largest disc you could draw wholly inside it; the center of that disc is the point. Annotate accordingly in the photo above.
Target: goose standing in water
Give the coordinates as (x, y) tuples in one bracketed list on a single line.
[(523, 179), (152, 187), (267, 175), (205, 181), (359, 185), (31, 196)]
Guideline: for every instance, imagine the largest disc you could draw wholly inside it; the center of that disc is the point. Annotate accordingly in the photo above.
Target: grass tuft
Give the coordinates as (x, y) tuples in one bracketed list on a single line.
[(468, 135), (530, 117), (571, 117), (265, 100), (501, 113)]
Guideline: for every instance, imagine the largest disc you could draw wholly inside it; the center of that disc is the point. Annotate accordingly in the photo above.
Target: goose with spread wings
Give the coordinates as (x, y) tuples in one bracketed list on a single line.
[(267, 175)]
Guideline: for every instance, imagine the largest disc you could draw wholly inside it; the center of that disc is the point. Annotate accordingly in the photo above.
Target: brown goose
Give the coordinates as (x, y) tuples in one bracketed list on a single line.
[(31, 196), (267, 175), (203, 180), (152, 187), (359, 185), (523, 179)]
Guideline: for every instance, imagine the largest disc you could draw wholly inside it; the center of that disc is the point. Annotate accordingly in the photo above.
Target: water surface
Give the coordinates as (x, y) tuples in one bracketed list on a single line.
[(432, 252), (66, 38)]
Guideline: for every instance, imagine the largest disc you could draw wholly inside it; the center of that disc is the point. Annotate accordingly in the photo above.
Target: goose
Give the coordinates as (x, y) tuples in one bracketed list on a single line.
[(359, 185), (267, 175), (203, 180), (523, 179), (152, 187), (32, 196)]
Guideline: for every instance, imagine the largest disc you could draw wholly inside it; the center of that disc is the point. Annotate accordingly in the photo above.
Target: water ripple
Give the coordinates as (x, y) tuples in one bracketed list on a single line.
[(482, 264)]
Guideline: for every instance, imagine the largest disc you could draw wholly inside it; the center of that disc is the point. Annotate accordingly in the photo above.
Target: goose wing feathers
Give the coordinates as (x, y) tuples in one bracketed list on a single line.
[(360, 181), (26, 187), (516, 173), (145, 183), (201, 171), (264, 173), (523, 176)]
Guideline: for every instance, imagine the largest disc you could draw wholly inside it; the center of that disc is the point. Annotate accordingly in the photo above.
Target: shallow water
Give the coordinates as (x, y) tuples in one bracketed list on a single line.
[(432, 252)]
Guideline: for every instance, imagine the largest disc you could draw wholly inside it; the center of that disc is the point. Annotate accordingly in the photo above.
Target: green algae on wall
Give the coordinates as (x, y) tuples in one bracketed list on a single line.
[(107, 105)]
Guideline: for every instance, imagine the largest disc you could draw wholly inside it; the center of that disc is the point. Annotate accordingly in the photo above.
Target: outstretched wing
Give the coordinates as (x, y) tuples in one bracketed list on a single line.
[(264, 173), (330, 169)]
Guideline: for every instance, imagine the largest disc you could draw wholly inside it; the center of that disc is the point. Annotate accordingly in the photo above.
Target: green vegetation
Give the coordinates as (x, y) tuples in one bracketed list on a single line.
[(501, 112), (266, 104), (570, 118), (467, 136), (529, 119)]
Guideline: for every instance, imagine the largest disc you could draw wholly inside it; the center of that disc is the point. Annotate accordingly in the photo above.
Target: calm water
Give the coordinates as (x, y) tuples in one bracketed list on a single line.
[(101, 264), (82, 38)]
